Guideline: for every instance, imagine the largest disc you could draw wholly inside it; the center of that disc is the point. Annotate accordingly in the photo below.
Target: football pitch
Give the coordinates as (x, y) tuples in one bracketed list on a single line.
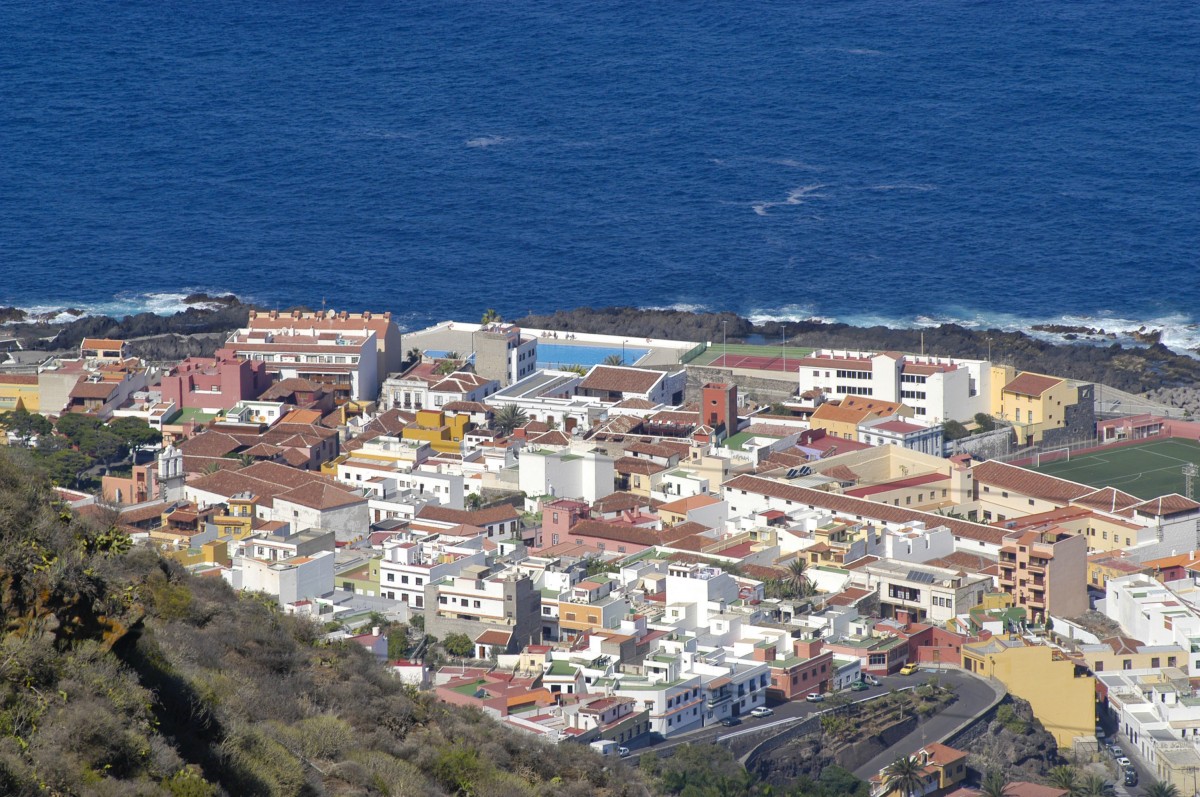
[(1146, 470)]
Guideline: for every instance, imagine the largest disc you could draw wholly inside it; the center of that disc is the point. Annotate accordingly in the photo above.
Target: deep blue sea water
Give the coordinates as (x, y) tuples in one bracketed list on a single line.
[(906, 162)]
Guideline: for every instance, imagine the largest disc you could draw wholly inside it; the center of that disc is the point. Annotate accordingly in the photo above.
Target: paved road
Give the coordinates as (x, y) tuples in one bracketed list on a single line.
[(974, 696)]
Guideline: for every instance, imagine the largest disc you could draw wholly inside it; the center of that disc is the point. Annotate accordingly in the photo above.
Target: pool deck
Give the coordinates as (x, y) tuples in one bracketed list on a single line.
[(458, 336)]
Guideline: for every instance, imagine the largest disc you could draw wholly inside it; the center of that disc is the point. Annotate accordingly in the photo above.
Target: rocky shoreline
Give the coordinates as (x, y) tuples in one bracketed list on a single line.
[(1149, 368)]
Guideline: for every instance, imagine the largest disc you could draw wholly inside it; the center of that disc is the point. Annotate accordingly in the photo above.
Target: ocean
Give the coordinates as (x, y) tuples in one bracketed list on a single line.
[(904, 163)]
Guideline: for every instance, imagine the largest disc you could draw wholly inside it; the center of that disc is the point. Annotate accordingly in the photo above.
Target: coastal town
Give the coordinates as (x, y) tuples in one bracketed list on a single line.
[(633, 544)]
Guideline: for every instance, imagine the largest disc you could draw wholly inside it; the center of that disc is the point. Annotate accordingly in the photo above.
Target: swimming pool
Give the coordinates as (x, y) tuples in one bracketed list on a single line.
[(556, 355)]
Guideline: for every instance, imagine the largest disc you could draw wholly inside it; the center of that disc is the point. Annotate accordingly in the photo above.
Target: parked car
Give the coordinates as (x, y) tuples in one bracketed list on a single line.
[(729, 722), (1131, 776), (909, 669), (814, 697), (622, 751), (870, 680), (1124, 762), (859, 686), (761, 711)]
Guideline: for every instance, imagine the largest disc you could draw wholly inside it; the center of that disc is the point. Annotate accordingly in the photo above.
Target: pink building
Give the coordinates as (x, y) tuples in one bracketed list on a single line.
[(214, 382)]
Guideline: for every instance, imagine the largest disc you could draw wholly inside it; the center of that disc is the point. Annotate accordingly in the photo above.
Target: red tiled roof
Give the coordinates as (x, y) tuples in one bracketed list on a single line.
[(1031, 384), (848, 505), (468, 517), (620, 379), (1029, 483), (598, 529), (898, 484), (1108, 499), (645, 467), (101, 343), (1163, 506)]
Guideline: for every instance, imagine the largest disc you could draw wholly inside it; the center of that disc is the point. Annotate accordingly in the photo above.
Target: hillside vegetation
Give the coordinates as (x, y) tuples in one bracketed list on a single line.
[(120, 674)]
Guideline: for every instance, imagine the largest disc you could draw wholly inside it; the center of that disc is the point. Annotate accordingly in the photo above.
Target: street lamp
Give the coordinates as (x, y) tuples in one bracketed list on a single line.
[(724, 344)]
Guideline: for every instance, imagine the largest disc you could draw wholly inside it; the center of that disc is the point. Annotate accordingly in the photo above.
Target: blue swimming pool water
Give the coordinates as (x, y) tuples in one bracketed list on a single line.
[(551, 355)]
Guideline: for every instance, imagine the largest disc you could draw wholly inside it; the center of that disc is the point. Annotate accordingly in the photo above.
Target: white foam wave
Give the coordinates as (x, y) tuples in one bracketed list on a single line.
[(486, 141), (787, 312), (122, 304), (683, 307), (797, 196)]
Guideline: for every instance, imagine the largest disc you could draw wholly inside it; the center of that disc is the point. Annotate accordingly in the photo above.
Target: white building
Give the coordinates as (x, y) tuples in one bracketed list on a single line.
[(288, 580), (344, 363), (937, 388), (588, 475), (408, 566), (894, 430)]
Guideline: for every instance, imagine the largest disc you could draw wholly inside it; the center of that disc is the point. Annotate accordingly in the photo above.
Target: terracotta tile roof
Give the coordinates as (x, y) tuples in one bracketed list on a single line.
[(1031, 384), (849, 596), (635, 404), (284, 388), (854, 412), (623, 501), (681, 530), (898, 484), (321, 495), (494, 636), (962, 560), (554, 438), (18, 379), (1108, 499), (143, 513), (598, 529), (861, 507), (209, 444), (466, 406), (1163, 506), (645, 467), (841, 473), (479, 517), (684, 505), (101, 343), (323, 320), (1029, 483), (620, 379), (93, 390), (460, 382), (651, 450)]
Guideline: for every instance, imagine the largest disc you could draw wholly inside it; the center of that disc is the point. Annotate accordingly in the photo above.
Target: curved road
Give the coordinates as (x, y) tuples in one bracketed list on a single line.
[(975, 696)]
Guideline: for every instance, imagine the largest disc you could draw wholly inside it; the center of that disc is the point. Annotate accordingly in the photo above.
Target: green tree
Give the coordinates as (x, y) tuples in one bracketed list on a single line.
[(509, 418), (953, 430), (1161, 789), (474, 501), (614, 359), (1065, 778), (574, 369), (135, 433), (798, 579), (414, 355), (984, 421), (66, 466), (103, 445), (994, 784), (417, 621), (458, 645), (397, 642), (1096, 786), (74, 426), (490, 316), (25, 424), (904, 776)]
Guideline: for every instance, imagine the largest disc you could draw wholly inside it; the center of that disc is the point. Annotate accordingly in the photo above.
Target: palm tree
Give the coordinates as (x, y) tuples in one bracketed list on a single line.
[(905, 775), (797, 577), (414, 354), (508, 418), (575, 369), (474, 501), (1096, 786), (490, 316), (994, 784), (1065, 778), (1161, 789), (614, 359)]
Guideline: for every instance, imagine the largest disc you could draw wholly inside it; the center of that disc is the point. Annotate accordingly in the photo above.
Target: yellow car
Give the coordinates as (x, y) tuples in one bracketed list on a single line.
[(909, 669)]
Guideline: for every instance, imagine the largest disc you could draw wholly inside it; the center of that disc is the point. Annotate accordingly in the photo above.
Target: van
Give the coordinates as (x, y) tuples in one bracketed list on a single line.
[(605, 747)]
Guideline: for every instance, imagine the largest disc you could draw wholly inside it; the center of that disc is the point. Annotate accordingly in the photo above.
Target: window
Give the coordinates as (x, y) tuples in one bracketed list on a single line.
[(391, 576)]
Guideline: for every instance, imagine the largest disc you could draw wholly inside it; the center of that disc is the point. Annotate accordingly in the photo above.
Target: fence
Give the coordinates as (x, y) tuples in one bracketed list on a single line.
[(693, 353)]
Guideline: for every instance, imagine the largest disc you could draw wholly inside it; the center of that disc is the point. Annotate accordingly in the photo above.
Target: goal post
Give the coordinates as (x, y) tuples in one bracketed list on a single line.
[(1051, 455)]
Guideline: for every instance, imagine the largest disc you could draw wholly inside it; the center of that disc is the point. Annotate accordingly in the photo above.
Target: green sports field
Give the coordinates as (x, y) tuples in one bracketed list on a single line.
[(1146, 470)]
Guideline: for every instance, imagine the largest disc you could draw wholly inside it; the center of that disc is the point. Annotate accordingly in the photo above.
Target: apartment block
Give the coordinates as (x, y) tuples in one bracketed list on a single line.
[(1046, 572)]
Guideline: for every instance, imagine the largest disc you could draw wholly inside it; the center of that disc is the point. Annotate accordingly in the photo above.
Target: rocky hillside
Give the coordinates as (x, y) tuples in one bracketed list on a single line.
[(122, 675), (1012, 742)]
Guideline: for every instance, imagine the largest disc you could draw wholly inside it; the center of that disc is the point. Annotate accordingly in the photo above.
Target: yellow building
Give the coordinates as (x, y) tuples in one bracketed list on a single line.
[(238, 521), (19, 390), (1107, 564), (1034, 404), (1061, 692), (1121, 653), (214, 552), (444, 434)]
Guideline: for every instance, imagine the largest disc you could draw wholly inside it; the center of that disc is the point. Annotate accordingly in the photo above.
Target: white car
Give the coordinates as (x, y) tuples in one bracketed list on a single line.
[(814, 697), (761, 711), (622, 751), (1124, 762)]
